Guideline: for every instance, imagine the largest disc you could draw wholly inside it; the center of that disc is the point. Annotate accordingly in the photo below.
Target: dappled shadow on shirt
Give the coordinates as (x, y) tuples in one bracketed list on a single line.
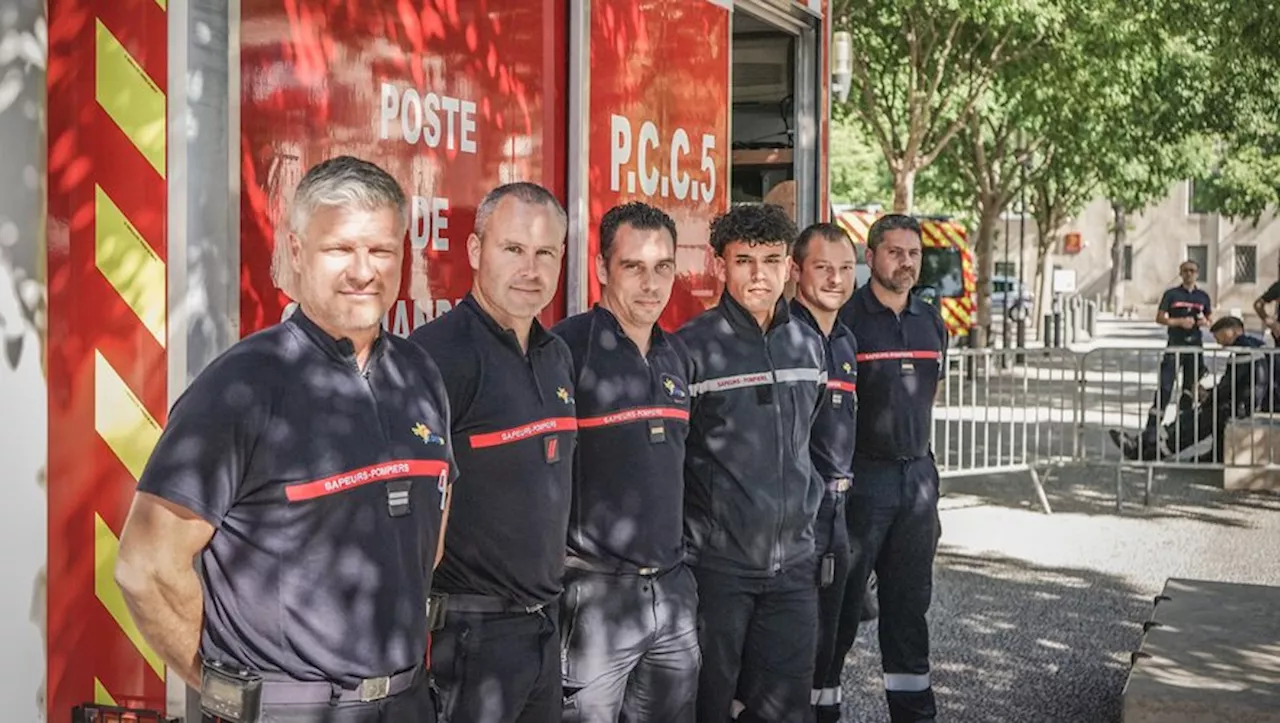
[(284, 448)]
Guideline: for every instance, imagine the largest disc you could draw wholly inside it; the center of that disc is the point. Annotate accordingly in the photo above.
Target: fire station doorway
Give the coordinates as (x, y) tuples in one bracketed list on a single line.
[(774, 95)]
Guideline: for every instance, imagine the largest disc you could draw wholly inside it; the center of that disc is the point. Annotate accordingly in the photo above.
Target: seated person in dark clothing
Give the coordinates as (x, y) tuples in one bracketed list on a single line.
[(1248, 384)]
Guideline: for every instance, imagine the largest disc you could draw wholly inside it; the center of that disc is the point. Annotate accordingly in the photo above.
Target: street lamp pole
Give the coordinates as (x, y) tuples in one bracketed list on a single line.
[(1022, 230), (1024, 162), (1004, 320)]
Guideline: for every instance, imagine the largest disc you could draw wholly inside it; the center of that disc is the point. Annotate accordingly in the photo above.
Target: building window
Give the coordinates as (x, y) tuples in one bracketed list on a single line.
[(1126, 263), (1246, 264), (1199, 253), (1197, 198), (1006, 268)]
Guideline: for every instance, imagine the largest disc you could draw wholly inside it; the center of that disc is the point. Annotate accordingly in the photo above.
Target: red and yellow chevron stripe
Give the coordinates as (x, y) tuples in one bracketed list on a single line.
[(857, 224), (108, 319)]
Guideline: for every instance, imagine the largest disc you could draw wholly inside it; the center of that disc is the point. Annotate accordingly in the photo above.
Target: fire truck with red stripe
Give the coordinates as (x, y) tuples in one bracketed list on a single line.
[(177, 132), (947, 276)]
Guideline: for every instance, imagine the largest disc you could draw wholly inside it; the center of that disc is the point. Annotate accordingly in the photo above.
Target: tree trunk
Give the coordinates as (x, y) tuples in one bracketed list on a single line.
[(1117, 254), (1038, 309), (988, 219), (904, 191), (1042, 267)]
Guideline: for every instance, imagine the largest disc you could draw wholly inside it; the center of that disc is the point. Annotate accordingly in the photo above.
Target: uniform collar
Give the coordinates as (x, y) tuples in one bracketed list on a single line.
[(538, 336), (742, 320), (872, 304), (657, 337), (343, 349), (802, 312)]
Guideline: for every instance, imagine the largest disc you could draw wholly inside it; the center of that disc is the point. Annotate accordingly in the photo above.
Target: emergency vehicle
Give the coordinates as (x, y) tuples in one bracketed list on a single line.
[(178, 130), (947, 276)]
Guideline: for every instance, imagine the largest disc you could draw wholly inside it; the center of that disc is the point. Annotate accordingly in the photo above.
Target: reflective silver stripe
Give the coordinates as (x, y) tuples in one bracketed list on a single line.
[(905, 682), (826, 696), (802, 375), (738, 381), (757, 379)]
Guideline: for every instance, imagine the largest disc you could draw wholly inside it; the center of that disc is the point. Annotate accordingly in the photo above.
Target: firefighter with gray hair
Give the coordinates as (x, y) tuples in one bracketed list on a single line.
[(307, 470)]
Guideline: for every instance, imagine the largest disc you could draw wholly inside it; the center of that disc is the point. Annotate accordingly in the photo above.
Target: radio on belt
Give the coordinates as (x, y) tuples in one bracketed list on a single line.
[(231, 694)]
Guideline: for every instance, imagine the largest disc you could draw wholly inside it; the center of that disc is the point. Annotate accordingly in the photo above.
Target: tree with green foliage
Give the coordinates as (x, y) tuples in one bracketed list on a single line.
[(1107, 106), (1240, 43), (920, 67), (858, 173)]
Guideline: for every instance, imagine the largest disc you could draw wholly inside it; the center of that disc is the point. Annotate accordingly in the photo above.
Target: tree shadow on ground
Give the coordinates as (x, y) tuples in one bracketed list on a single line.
[(1091, 489), (1014, 641)]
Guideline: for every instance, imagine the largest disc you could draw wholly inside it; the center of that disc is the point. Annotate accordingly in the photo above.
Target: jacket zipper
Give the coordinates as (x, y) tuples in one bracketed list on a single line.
[(776, 554)]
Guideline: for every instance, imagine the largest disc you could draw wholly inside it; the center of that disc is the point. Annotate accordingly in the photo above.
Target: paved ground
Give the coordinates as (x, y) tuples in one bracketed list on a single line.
[(1035, 616)]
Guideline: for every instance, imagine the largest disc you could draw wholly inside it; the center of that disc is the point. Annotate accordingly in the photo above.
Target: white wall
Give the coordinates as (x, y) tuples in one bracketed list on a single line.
[(1160, 236), (23, 412)]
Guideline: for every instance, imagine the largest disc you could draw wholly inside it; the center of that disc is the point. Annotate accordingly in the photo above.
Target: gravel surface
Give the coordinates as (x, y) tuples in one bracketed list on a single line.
[(1034, 616)]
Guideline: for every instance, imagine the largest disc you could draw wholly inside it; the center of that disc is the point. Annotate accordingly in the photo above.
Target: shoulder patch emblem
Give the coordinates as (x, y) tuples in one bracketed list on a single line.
[(673, 387), (424, 433)]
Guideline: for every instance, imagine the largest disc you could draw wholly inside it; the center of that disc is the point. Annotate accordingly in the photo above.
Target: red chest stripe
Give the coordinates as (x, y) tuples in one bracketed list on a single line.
[(524, 431), (890, 355), (840, 386), (634, 414), (381, 472)]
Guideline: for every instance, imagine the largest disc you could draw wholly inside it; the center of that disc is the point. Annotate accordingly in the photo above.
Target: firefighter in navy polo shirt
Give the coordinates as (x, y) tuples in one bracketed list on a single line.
[(510, 383), (824, 276), (629, 611), (308, 469), (757, 377), (1185, 310), (893, 507), (1270, 323)]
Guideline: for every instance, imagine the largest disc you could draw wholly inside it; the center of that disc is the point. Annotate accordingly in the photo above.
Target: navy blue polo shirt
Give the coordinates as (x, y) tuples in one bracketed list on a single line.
[(1272, 293), (1180, 303), (901, 358), (831, 443), (633, 417), (514, 429), (325, 487)]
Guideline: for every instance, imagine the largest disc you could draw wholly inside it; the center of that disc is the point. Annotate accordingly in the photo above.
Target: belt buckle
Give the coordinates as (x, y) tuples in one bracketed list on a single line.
[(531, 609), (648, 571), (372, 689), (843, 485)]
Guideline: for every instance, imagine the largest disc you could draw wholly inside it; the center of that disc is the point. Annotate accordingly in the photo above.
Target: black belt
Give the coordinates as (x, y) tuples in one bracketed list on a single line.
[(464, 603), (295, 692), (577, 563)]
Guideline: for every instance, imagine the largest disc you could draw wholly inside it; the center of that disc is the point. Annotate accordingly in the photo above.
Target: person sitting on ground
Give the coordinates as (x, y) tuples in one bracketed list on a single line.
[(1248, 384)]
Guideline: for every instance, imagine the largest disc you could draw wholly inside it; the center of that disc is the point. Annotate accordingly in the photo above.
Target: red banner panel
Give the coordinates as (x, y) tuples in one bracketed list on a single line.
[(659, 100), (452, 98)]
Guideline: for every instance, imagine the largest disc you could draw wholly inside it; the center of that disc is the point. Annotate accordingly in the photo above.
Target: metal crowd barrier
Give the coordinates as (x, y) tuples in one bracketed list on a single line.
[(1035, 410)]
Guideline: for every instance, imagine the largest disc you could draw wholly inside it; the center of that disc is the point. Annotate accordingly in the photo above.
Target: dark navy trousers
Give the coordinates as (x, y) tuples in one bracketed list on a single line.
[(892, 514)]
